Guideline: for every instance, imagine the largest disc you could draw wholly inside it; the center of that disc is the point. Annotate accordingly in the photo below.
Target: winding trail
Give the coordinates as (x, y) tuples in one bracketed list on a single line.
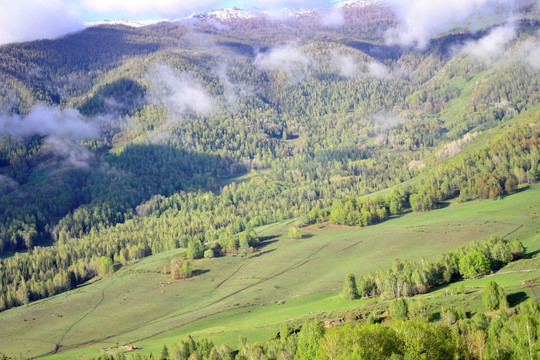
[(312, 256), (58, 344), (230, 276)]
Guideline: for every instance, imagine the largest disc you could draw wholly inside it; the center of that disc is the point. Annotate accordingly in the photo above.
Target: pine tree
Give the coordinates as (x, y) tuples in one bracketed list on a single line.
[(350, 291)]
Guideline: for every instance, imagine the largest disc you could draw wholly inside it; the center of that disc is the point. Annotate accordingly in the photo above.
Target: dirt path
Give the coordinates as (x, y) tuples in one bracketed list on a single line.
[(58, 345), (230, 276), (312, 256), (513, 231)]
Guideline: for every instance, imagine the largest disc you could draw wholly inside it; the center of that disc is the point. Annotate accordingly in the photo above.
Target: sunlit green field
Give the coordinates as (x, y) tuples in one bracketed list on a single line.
[(285, 279)]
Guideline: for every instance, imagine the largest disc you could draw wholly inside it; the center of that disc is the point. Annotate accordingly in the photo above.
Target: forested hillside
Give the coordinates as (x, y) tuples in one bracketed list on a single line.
[(146, 130), (118, 143)]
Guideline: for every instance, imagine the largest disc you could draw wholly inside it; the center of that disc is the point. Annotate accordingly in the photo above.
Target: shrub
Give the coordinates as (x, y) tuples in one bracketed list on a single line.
[(494, 297), (399, 309)]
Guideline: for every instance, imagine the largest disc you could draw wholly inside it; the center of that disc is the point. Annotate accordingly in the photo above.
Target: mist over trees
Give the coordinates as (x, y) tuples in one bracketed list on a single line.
[(118, 143)]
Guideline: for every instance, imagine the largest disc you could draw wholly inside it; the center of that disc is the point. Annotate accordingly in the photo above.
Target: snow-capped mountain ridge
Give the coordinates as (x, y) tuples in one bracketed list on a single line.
[(131, 23), (234, 13)]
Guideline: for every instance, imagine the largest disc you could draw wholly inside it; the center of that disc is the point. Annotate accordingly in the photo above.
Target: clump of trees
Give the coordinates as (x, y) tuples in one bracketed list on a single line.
[(181, 271), (294, 233), (407, 278)]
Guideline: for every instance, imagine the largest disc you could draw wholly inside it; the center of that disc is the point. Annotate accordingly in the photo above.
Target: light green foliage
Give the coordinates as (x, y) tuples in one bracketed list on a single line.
[(221, 352), (243, 250), (516, 337), (418, 309), (195, 249), (399, 309), (308, 340), (517, 248), (294, 233), (426, 341), (449, 316), (474, 264), (208, 254), (105, 266), (187, 269)]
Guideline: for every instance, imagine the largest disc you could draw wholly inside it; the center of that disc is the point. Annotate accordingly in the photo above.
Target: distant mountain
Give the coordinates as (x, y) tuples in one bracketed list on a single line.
[(232, 14), (132, 23)]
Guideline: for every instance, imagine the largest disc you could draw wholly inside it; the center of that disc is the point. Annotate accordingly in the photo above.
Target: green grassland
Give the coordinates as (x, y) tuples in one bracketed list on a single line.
[(285, 279)]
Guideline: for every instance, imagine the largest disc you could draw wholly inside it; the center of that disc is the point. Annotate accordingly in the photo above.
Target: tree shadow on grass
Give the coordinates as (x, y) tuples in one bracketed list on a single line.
[(531, 254), (199, 272), (517, 298), (260, 253), (265, 243), (267, 238)]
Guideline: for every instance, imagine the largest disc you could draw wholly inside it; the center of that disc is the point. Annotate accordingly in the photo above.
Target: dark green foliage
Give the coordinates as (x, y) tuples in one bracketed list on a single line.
[(510, 186), (399, 309), (488, 186), (494, 297), (350, 290), (164, 353)]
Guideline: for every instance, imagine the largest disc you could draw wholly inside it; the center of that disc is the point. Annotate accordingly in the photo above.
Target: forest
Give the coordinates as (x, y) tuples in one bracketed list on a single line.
[(120, 143)]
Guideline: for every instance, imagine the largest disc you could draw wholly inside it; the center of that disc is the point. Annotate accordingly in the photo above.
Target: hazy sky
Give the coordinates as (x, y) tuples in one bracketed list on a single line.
[(22, 20)]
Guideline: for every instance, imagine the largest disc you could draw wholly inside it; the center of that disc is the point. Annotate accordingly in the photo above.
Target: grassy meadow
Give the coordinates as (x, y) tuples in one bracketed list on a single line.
[(285, 279)]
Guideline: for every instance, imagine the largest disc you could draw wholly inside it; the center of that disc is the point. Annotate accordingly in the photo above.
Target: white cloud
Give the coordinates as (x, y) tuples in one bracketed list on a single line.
[(421, 19), (7, 184), (71, 153), (287, 58), (529, 51), (345, 65), (332, 17), (378, 70), (48, 121), (181, 93), (167, 8), (63, 131), (23, 20), (492, 46), (387, 120)]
